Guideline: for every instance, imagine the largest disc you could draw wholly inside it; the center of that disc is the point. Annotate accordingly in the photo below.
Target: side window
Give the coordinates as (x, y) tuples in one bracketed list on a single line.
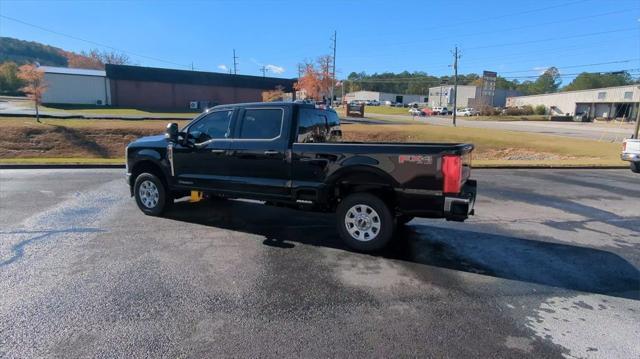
[(312, 126), (215, 125), (261, 124)]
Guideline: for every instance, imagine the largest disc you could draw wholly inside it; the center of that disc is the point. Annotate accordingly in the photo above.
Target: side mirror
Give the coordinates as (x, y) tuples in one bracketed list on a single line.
[(171, 133)]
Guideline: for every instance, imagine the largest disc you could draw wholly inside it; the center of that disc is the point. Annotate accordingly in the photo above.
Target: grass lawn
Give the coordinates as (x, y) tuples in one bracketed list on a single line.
[(497, 147), (506, 118), (386, 110), (103, 141), (117, 111)]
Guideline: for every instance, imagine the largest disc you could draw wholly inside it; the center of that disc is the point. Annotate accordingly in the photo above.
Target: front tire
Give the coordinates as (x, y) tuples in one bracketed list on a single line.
[(365, 222), (635, 167), (151, 195)]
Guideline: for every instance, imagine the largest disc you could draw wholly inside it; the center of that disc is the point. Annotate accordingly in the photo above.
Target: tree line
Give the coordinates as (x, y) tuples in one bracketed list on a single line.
[(419, 82)]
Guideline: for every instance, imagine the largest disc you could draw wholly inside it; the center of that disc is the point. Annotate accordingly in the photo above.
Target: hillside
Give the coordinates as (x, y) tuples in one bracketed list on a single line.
[(20, 52)]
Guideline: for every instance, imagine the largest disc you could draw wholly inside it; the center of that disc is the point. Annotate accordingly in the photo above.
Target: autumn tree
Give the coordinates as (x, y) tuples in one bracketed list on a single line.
[(109, 57), (34, 85), (316, 79), (10, 84), (82, 61), (273, 95)]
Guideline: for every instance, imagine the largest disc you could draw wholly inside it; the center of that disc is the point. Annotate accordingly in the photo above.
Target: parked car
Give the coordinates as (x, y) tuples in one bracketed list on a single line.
[(440, 111), (466, 112), (631, 152), (427, 111), (288, 154), (415, 112), (386, 103), (374, 103)]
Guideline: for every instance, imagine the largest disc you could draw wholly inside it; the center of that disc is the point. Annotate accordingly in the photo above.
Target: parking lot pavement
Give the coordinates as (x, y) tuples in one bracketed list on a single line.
[(548, 267)]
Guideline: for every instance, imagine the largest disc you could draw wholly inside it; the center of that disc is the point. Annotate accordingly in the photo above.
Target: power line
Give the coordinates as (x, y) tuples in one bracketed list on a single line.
[(93, 42)]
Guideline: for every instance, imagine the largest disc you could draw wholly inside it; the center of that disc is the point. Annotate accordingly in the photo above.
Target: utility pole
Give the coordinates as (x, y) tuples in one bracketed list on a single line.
[(635, 132), (264, 71), (456, 56), (191, 65), (235, 63), (333, 72)]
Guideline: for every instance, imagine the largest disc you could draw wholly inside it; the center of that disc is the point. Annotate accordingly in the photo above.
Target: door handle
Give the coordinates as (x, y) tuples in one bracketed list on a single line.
[(271, 153), (218, 151)]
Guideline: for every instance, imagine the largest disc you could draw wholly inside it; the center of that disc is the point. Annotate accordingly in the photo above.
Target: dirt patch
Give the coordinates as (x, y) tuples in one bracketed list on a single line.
[(60, 141)]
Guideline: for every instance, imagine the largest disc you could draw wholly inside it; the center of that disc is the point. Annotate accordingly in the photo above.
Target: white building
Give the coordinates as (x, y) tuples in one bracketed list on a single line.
[(442, 96), (384, 96), (76, 86), (610, 102)]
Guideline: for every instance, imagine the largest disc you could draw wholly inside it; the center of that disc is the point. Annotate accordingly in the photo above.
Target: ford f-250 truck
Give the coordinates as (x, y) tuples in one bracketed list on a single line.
[(290, 154)]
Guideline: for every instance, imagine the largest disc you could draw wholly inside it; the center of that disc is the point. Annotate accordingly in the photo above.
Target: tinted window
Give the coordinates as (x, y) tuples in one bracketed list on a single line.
[(214, 125), (312, 126), (261, 124)]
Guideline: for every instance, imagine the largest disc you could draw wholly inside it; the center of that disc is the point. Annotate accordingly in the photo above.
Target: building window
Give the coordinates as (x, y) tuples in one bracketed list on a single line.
[(602, 95), (628, 95)]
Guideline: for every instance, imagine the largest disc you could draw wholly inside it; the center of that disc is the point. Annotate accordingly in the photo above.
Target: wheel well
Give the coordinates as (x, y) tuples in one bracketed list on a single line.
[(364, 181), (148, 167)]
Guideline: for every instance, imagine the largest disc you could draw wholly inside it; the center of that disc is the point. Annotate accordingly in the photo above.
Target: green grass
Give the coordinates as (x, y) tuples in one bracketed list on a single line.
[(117, 111), (386, 110)]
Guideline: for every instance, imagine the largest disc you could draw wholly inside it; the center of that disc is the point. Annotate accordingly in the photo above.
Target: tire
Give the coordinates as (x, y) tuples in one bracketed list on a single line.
[(404, 219), (635, 167), (151, 195), (373, 230)]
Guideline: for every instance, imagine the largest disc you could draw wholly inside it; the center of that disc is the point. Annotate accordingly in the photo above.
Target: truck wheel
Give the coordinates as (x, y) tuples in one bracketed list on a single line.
[(151, 196), (404, 219), (635, 167), (365, 223)]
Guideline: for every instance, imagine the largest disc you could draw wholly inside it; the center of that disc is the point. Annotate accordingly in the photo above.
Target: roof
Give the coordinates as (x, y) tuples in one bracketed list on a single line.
[(153, 74), (72, 71)]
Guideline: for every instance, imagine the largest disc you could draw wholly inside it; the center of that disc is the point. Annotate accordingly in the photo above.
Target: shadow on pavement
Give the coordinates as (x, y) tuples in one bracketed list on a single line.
[(553, 264)]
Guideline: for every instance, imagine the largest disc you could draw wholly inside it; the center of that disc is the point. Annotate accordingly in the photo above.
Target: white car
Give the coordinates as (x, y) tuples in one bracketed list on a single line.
[(631, 153), (466, 112), (440, 111), (415, 112)]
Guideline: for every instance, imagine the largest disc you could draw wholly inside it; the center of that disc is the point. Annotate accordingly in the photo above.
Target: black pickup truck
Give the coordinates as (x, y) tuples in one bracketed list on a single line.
[(290, 154)]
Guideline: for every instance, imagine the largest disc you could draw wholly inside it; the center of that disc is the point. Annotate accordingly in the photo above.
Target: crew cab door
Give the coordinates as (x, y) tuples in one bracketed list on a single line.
[(258, 163), (201, 162)]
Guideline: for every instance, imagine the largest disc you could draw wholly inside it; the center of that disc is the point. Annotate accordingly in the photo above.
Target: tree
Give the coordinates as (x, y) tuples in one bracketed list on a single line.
[(273, 95), (586, 81), (82, 61), (10, 84), (34, 85), (109, 57), (309, 82)]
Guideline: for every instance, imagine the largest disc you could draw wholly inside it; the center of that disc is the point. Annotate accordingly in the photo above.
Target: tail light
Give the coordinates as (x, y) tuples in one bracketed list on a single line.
[(452, 173)]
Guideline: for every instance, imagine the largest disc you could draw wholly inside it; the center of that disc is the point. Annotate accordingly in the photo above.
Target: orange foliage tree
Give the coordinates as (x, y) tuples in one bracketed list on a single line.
[(273, 95), (82, 61), (316, 78), (35, 85)]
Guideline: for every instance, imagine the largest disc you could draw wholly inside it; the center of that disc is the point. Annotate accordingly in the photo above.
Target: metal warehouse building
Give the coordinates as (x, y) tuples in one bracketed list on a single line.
[(75, 86), (383, 96), (442, 96), (607, 103), (147, 87)]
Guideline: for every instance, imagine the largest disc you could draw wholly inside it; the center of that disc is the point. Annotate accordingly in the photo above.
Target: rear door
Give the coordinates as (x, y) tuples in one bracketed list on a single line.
[(258, 153)]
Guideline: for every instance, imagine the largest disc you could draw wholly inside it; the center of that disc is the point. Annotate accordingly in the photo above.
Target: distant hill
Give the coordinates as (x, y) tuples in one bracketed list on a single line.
[(21, 52)]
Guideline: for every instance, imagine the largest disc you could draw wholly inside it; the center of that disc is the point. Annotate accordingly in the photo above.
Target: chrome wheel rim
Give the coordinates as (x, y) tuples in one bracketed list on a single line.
[(149, 194), (362, 222)]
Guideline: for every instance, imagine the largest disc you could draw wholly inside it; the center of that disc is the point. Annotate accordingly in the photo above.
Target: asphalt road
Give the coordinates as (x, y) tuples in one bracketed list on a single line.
[(549, 267), (588, 130)]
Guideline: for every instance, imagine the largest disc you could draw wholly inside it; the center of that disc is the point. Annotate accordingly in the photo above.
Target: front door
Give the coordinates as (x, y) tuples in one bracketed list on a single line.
[(258, 163), (201, 162)]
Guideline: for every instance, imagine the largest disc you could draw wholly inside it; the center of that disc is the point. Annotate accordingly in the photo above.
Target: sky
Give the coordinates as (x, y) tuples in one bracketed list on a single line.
[(516, 38)]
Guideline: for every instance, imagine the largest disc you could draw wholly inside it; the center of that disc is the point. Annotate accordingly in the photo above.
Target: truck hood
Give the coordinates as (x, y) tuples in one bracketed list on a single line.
[(150, 141)]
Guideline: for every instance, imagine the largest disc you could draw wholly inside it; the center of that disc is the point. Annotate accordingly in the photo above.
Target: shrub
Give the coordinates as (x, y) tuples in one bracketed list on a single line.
[(519, 111), (540, 110), (488, 111)]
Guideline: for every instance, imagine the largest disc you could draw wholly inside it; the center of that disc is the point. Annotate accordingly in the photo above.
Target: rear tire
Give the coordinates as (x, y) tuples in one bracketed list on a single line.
[(635, 167), (365, 222), (151, 195)]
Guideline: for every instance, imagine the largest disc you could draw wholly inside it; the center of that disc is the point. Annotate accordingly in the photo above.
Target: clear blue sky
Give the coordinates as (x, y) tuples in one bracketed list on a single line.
[(515, 38)]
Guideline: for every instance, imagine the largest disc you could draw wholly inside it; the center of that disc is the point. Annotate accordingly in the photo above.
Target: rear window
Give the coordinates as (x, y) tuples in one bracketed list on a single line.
[(261, 124), (313, 126)]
